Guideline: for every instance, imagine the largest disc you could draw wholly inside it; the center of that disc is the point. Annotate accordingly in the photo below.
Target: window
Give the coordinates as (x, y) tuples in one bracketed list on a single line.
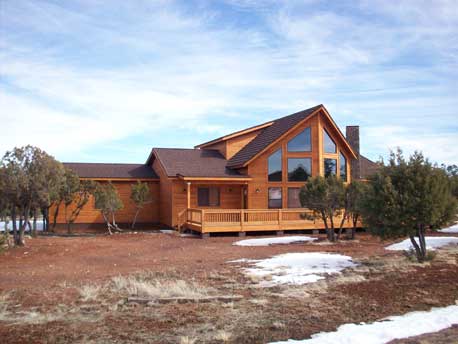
[(208, 197), (330, 167), (343, 167), (293, 198), (301, 142), (275, 169), (299, 169), (329, 144), (275, 200)]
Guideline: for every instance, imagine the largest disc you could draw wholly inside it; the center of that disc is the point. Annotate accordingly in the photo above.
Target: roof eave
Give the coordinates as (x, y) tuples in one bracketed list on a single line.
[(278, 139), (234, 134), (207, 178)]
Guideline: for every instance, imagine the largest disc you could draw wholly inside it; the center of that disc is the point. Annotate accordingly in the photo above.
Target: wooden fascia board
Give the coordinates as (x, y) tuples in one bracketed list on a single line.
[(236, 134), (339, 132), (223, 179), (133, 179), (281, 137)]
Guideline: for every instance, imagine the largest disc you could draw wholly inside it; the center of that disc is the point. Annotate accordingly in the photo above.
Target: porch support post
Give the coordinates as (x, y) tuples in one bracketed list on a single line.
[(188, 195)]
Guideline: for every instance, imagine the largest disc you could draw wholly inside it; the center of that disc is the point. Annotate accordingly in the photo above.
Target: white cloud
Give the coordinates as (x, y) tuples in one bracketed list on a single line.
[(110, 72)]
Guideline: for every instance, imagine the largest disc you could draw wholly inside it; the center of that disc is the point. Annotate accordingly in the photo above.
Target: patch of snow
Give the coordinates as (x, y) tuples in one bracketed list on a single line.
[(431, 243), (167, 231), (298, 268), (385, 330), (452, 229), (242, 260), (274, 241), (10, 225)]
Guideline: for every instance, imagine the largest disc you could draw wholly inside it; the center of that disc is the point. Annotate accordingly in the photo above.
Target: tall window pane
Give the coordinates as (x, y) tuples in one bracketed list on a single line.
[(293, 198), (343, 167), (208, 197), (275, 198), (330, 167), (301, 142), (299, 170), (275, 170), (329, 144)]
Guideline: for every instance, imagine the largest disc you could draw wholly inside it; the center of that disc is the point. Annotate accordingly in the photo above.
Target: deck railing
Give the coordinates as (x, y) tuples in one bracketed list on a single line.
[(215, 220)]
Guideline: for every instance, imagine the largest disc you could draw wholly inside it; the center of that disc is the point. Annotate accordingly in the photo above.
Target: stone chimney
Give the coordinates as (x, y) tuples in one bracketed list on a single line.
[(352, 133)]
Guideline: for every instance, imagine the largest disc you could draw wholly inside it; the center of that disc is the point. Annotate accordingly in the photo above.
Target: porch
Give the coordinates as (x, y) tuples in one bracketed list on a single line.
[(247, 220)]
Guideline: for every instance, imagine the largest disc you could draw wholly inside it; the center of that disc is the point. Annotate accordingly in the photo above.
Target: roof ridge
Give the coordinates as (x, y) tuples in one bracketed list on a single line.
[(175, 148), (279, 127), (104, 163)]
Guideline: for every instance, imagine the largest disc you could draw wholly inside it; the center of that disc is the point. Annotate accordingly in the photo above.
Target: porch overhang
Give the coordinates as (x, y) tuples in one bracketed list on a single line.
[(241, 180)]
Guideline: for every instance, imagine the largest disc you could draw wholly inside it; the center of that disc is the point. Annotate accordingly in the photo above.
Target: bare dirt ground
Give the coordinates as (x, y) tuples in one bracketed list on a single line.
[(61, 290)]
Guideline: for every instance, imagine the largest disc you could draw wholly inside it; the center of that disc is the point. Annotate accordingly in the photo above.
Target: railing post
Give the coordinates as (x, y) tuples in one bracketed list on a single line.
[(242, 219), (202, 219)]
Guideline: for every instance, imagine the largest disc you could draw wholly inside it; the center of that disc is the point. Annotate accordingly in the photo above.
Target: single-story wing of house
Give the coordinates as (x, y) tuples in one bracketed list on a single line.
[(248, 180)]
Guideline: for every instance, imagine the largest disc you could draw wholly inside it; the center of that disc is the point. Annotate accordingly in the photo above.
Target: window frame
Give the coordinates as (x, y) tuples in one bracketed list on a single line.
[(280, 151), (324, 166), (344, 166), (304, 131), (326, 134), (210, 204), (309, 159), (275, 199), (288, 200)]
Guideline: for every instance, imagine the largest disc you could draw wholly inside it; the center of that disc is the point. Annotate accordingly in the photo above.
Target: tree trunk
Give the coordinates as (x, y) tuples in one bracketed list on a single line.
[(45, 212), (331, 236), (135, 218), (13, 218), (34, 226), (25, 222), (107, 222), (325, 220), (56, 213), (420, 248), (355, 223), (341, 225)]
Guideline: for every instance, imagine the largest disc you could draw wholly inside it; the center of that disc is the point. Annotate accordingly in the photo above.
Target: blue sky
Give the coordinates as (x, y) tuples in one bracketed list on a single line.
[(105, 81)]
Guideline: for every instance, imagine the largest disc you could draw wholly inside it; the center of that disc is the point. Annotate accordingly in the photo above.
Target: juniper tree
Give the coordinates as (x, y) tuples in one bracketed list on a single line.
[(140, 195), (353, 200), (407, 197), (107, 200), (325, 197), (30, 174)]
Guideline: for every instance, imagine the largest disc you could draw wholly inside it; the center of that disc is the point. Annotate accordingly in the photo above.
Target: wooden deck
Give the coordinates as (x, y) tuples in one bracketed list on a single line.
[(247, 220)]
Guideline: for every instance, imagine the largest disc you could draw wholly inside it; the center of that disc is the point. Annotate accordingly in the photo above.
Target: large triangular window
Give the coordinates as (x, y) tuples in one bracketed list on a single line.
[(301, 142), (329, 144)]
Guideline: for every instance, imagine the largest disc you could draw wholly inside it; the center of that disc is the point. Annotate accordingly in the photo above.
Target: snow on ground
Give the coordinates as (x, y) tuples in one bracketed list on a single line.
[(274, 241), (385, 330), (431, 243), (297, 268), (452, 229), (10, 225)]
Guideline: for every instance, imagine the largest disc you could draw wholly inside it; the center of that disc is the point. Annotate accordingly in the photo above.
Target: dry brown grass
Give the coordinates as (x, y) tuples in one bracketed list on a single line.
[(187, 340), (223, 336), (90, 292), (149, 285)]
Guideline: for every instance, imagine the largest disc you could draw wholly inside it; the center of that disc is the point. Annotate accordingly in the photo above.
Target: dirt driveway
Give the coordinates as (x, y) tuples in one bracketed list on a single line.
[(47, 275)]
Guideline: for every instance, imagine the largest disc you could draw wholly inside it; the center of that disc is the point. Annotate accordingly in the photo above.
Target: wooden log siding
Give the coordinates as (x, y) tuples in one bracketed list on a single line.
[(90, 215), (232, 220)]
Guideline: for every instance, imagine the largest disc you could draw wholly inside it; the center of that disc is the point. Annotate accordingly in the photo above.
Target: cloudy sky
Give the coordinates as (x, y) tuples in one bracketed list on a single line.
[(104, 81)]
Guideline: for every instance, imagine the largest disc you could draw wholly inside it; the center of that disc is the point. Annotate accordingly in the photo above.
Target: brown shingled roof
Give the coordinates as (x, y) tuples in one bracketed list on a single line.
[(194, 163), (368, 167), (267, 136), (105, 170)]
